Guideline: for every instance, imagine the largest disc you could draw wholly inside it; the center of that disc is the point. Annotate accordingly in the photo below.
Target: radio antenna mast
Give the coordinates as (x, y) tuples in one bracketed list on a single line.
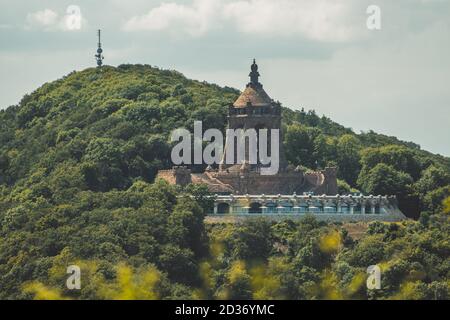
[(99, 57)]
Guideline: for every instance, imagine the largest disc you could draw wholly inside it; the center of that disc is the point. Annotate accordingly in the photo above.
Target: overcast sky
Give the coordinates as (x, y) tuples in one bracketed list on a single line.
[(312, 53)]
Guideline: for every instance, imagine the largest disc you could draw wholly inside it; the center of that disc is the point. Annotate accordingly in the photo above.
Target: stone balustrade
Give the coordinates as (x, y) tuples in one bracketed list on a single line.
[(302, 204)]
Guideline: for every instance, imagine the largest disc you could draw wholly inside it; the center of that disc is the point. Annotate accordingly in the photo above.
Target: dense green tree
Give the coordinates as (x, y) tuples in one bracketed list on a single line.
[(433, 200), (384, 179), (348, 158), (399, 157), (299, 142)]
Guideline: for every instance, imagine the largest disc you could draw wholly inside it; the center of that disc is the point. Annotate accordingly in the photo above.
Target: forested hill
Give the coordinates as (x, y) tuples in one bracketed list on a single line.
[(102, 129), (77, 162)]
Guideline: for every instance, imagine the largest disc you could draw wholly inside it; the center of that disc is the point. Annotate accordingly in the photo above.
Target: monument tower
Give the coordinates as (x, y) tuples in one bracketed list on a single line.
[(254, 109)]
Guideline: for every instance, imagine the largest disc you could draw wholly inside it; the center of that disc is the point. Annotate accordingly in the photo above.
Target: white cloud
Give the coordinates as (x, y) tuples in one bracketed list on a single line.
[(49, 20), (46, 18), (194, 20), (323, 20)]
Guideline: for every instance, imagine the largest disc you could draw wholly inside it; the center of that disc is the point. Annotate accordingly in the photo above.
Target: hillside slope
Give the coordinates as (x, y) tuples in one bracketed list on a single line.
[(102, 129), (77, 161)]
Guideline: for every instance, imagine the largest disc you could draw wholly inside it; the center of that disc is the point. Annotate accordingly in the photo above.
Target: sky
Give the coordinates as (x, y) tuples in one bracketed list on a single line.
[(316, 54)]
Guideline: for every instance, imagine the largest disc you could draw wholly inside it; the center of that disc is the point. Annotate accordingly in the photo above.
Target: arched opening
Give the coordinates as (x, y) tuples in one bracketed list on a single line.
[(330, 208), (223, 208), (271, 207), (377, 209), (304, 207), (345, 208), (255, 208), (285, 207), (315, 207)]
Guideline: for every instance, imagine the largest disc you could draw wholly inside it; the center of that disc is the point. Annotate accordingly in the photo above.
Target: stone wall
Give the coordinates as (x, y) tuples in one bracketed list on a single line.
[(392, 217), (177, 175), (252, 182), (255, 183)]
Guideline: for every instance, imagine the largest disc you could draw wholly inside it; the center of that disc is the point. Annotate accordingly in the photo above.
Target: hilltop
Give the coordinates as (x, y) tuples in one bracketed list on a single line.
[(103, 129)]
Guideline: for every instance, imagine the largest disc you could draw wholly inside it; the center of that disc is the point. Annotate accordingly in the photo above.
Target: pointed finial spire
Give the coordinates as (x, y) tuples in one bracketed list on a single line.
[(254, 74), (99, 57)]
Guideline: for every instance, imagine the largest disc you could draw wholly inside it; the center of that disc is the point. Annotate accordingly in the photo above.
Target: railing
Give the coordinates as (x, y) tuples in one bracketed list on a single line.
[(302, 204)]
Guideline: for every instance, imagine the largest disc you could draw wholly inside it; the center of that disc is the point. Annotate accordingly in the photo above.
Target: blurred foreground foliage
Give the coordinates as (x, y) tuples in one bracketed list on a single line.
[(157, 258)]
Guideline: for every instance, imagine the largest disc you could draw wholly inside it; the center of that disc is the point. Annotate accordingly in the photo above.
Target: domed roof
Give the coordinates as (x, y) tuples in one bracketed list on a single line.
[(254, 93)]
